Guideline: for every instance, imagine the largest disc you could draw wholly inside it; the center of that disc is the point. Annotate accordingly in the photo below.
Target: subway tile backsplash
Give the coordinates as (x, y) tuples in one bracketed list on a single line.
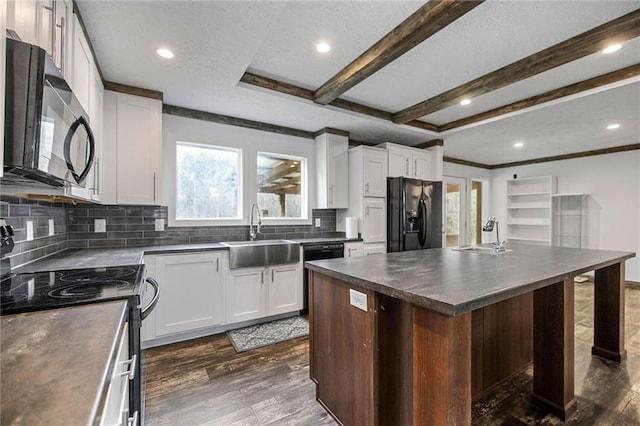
[(18, 211), (126, 226), (133, 226)]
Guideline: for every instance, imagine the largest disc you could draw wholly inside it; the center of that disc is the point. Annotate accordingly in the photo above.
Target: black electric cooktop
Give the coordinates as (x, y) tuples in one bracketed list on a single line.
[(56, 289)]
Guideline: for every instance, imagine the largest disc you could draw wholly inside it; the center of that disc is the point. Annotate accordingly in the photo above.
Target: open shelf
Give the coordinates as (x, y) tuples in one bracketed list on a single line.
[(529, 205)]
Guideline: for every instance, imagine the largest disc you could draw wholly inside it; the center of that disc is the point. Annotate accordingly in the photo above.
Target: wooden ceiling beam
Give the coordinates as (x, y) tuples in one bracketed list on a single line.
[(429, 144), (592, 83), (300, 92), (422, 24), (618, 30)]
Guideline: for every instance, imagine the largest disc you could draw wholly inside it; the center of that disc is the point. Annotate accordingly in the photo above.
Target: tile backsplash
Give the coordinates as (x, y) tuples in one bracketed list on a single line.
[(131, 226), (18, 212)]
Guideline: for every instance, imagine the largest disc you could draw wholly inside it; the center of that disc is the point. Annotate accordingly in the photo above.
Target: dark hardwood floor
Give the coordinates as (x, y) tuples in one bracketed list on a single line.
[(204, 382)]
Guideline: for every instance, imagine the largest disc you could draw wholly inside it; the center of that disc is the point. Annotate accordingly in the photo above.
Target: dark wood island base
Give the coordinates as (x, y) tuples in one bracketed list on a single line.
[(400, 363)]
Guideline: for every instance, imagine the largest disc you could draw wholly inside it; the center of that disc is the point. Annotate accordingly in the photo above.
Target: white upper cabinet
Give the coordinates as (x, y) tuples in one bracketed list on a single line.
[(82, 66), (22, 17), (332, 170), (132, 150), (423, 164), (374, 172), (46, 23)]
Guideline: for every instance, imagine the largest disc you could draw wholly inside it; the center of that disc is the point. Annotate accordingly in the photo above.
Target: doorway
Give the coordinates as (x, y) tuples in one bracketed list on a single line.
[(455, 211), (463, 211)]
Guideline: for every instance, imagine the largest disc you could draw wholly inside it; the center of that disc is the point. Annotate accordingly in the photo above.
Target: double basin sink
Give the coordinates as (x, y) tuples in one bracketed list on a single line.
[(247, 254)]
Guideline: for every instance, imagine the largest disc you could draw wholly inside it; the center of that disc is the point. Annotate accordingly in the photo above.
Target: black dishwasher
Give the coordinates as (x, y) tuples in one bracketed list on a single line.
[(317, 251)]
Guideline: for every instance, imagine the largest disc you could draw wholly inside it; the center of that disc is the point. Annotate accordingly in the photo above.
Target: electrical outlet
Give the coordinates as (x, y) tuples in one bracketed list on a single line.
[(100, 225), (29, 224), (317, 222), (358, 299), (52, 229), (159, 225)]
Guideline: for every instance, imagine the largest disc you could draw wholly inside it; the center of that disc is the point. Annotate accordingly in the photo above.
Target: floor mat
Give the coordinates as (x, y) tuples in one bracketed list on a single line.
[(257, 336)]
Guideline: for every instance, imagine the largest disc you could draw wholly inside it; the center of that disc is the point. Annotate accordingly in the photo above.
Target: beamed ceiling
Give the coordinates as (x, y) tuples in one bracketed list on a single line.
[(397, 71)]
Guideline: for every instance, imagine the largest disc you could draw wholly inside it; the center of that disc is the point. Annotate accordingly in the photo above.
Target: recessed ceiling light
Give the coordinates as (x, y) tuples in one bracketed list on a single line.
[(518, 145), (165, 53), (612, 48), (465, 101), (613, 126), (323, 47)]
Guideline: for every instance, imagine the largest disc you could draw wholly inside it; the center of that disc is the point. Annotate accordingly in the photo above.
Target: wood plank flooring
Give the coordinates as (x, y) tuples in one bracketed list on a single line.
[(204, 382)]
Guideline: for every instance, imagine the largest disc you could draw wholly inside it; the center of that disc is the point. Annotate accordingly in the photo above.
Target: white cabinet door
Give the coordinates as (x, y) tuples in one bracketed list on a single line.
[(139, 149), (339, 186), (332, 171), (353, 249), (22, 18), (95, 112), (82, 64), (374, 223), (46, 21), (190, 292), (423, 164), (399, 162), (374, 169), (245, 293), (285, 289)]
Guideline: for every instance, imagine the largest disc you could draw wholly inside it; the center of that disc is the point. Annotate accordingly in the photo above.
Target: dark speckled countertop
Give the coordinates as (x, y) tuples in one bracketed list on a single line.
[(454, 282), (49, 380), (99, 258)]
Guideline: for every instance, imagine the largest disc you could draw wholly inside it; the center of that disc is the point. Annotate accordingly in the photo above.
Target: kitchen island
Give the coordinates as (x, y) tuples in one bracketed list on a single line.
[(407, 338)]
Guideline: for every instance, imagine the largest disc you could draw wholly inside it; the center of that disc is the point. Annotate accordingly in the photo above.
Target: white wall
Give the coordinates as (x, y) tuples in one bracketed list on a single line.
[(251, 141), (612, 182)]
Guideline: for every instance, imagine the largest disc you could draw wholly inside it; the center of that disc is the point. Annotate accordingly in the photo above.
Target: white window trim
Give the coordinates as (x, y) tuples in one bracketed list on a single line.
[(304, 190), (173, 221)]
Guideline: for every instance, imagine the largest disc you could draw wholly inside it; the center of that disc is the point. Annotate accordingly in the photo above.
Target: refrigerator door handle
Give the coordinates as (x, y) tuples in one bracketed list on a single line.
[(422, 220)]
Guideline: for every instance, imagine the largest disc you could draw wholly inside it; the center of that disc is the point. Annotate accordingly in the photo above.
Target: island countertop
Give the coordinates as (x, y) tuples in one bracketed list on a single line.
[(56, 363), (454, 282)]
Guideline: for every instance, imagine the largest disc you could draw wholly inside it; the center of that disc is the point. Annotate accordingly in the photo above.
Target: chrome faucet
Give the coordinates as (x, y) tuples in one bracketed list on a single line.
[(253, 235), (498, 246)]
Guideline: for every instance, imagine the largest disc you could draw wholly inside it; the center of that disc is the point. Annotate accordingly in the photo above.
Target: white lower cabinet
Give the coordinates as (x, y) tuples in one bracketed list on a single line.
[(370, 249), (191, 293), (116, 406), (252, 293), (353, 249), (374, 221)]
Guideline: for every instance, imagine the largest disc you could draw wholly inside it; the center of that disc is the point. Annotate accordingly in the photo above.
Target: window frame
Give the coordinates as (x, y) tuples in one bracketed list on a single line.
[(304, 219), (173, 187)]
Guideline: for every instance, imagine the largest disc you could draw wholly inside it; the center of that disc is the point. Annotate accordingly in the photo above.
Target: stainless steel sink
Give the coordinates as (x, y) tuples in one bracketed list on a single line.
[(479, 249), (245, 254)]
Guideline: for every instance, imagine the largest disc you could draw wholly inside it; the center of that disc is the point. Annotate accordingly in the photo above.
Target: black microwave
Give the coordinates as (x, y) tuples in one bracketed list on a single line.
[(47, 135)]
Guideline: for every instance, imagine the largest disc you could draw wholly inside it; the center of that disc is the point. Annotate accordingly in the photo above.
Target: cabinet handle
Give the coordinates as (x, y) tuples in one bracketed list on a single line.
[(366, 188), (262, 277), (63, 32), (133, 420), (407, 166), (132, 368), (331, 195), (218, 265), (349, 252), (154, 187), (272, 275), (366, 211), (415, 167)]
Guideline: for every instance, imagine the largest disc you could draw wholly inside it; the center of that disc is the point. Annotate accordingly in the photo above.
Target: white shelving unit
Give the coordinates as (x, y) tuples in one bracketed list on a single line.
[(529, 209), (569, 220)]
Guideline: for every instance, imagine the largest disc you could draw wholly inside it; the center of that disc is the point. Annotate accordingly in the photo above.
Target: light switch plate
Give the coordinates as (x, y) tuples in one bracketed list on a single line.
[(317, 222), (100, 225), (52, 229), (29, 225), (159, 225), (358, 299)]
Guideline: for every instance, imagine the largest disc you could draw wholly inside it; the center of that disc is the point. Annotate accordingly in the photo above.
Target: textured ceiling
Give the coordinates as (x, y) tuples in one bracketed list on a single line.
[(215, 42)]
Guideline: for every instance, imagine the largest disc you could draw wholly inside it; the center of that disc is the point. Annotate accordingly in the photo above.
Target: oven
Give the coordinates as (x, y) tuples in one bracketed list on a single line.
[(317, 251), (36, 291)]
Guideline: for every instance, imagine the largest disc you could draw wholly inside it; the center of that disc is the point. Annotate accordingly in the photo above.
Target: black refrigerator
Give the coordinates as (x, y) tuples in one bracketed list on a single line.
[(414, 214)]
